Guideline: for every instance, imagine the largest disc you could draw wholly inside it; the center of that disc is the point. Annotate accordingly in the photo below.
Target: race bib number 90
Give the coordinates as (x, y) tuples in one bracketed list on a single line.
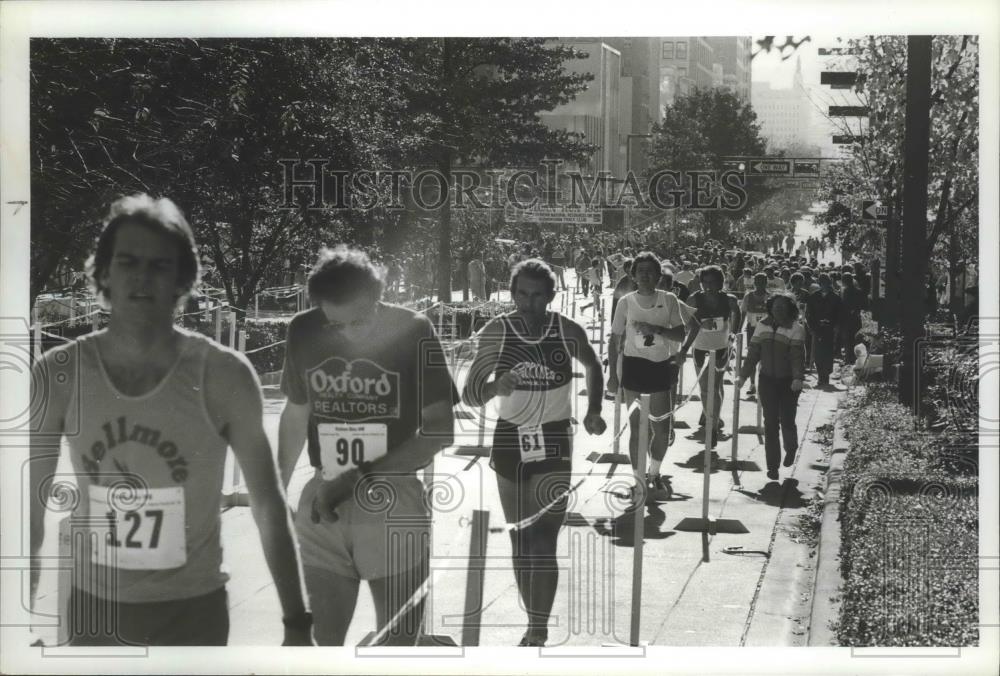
[(532, 443), (344, 446), (148, 537)]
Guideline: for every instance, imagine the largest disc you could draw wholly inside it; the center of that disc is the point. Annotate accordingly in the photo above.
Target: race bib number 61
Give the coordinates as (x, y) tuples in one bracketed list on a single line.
[(532, 443), (344, 446)]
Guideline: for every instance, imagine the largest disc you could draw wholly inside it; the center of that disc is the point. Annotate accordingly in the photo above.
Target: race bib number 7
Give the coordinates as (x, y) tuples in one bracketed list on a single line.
[(344, 446), (532, 443), (148, 537)]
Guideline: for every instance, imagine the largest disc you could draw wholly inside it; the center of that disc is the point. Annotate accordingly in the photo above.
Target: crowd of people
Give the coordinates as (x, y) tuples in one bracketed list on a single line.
[(149, 408)]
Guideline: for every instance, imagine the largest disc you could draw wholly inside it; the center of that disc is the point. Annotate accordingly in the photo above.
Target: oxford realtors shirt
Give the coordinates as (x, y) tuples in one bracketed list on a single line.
[(387, 379)]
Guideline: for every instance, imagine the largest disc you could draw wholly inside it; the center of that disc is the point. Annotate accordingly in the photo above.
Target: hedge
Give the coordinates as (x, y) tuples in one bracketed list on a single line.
[(909, 532)]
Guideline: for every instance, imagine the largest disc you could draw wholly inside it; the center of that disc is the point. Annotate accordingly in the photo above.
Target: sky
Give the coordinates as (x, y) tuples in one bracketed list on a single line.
[(769, 67)]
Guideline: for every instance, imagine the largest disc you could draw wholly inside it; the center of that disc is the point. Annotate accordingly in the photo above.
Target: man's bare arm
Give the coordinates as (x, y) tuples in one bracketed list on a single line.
[(235, 401)]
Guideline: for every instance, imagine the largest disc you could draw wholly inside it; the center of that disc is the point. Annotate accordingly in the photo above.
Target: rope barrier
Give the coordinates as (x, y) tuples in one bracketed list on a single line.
[(697, 378), (417, 597), (54, 335), (73, 319), (260, 349)]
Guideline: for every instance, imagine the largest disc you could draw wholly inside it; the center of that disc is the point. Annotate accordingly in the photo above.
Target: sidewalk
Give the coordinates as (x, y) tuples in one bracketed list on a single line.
[(755, 590), (758, 593)]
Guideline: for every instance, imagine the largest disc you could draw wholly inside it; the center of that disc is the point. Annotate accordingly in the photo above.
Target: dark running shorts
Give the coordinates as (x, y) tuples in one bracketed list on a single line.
[(645, 377), (505, 458), (198, 621)]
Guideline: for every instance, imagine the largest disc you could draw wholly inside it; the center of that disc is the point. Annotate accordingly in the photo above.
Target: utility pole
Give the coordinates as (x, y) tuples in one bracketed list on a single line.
[(916, 143)]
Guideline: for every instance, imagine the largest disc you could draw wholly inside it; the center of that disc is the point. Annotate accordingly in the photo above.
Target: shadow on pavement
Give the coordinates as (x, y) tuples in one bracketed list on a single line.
[(696, 463), (739, 466), (622, 527), (785, 494)]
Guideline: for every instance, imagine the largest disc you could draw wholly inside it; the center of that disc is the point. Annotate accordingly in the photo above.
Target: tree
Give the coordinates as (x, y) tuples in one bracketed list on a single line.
[(788, 201), (206, 123), (875, 167), (700, 129), (477, 101)]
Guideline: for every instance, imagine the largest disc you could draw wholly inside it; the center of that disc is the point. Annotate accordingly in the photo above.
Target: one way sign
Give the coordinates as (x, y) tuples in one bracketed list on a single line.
[(873, 211), (770, 167)]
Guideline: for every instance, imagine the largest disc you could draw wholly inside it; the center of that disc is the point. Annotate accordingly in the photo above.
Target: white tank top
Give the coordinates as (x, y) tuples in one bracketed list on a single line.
[(153, 467), (663, 312), (715, 336), (544, 366)]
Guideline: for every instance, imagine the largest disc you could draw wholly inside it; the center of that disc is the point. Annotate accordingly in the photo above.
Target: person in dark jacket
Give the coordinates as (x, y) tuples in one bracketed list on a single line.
[(778, 345), (823, 310), (854, 301)]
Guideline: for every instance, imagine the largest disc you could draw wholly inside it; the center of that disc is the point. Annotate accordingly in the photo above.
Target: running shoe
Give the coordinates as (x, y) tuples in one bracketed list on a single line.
[(530, 640), (656, 483)]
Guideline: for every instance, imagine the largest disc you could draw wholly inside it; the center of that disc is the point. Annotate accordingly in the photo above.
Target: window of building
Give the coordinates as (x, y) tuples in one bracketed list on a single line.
[(668, 50), (682, 50)]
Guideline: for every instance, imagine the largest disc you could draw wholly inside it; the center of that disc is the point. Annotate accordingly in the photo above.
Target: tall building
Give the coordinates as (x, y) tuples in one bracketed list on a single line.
[(785, 115), (734, 53), (600, 112), (686, 63)]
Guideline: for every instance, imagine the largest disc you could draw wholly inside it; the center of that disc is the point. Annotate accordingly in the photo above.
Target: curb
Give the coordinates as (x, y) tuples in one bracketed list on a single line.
[(828, 583)]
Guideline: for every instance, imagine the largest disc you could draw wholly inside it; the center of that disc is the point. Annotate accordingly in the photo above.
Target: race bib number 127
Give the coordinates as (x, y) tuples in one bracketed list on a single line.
[(149, 536), (344, 446)]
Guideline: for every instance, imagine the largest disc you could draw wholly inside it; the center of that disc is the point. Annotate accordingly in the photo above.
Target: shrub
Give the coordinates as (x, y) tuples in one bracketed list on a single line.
[(909, 537)]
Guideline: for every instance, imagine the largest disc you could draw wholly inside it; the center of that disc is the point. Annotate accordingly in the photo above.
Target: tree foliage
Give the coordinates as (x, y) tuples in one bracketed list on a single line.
[(476, 101), (700, 129), (875, 168), (206, 122)]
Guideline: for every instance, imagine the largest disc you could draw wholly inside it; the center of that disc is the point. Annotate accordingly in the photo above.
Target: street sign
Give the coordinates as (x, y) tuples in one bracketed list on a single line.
[(848, 111), (839, 51), (770, 168), (840, 80), (566, 215), (806, 168), (873, 211), (847, 139)]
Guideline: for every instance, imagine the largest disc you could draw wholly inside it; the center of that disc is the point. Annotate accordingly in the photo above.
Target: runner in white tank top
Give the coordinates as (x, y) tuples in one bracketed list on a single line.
[(646, 331), (717, 313), (148, 411)]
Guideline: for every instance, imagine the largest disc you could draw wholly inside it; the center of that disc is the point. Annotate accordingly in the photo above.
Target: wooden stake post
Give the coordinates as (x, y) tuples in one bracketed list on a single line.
[(736, 405), (639, 514)]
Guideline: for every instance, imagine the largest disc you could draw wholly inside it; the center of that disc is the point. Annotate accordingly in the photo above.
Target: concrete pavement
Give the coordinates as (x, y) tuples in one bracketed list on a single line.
[(754, 590)]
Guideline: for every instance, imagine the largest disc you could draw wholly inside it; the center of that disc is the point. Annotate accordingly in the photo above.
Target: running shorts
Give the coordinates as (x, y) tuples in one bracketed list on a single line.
[(386, 533), (197, 621), (506, 456), (645, 376)]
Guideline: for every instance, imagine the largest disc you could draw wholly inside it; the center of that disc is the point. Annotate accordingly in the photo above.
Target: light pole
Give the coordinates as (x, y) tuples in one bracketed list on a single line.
[(628, 169)]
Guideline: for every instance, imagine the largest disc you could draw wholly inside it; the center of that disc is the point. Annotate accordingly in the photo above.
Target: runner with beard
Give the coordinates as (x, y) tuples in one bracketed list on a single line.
[(525, 362)]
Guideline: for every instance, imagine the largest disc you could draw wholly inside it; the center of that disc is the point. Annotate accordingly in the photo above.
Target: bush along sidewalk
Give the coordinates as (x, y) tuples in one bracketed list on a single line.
[(909, 546)]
